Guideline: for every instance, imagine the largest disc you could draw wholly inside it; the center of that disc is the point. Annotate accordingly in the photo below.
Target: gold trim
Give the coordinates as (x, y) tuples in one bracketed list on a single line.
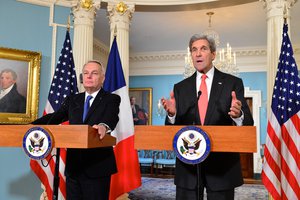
[(32, 60), (86, 4), (121, 7), (140, 92)]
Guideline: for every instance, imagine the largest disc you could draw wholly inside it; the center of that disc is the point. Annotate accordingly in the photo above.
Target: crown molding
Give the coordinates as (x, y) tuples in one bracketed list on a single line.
[(249, 59), (170, 55), (100, 47), (65, 3)]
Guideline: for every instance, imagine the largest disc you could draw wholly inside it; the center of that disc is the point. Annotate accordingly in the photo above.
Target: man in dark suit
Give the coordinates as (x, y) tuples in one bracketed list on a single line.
[(11, 101), (88, 171), (139, 115), (220, 173)]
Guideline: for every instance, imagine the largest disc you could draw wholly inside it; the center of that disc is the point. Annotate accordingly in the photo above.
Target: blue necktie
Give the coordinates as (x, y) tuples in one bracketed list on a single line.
[(86, 107)]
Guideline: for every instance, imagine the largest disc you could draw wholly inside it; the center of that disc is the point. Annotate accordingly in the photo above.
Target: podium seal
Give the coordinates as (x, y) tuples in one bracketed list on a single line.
[(191, 145), (37, 143)]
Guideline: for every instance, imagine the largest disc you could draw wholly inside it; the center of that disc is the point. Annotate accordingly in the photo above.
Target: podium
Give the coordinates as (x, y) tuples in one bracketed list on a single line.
[(223, 138), (64, 136)]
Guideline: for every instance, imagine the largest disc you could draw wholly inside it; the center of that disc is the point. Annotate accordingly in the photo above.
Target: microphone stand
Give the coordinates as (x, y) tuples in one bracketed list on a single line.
[(56, 175), (57, 160), (198, 165), (56, 169)]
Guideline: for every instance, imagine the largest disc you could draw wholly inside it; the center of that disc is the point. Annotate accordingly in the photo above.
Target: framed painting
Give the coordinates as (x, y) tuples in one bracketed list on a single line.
[(141, 104), (19, 85)]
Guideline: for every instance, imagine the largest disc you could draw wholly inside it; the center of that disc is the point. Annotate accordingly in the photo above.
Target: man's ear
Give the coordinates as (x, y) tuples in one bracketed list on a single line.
[(214, 55), (81, 78)]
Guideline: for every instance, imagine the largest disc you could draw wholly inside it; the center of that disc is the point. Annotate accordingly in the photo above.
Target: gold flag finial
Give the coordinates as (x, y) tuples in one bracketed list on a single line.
[(285, 14), (68, 24), (115, 31)]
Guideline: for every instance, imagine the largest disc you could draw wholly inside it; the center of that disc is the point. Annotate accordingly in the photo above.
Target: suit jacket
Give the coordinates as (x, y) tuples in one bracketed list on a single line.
[(220, 171), (13, 102), (135, 114), (95, 162)]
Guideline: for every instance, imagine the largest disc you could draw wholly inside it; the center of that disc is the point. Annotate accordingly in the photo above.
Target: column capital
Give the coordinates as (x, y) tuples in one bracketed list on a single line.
[(85, 11), (120, 13), (88, 4), (276, 7)]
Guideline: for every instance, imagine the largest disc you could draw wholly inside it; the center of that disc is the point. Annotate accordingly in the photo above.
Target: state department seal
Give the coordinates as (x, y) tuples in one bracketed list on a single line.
[(37, 143), (191, 145)]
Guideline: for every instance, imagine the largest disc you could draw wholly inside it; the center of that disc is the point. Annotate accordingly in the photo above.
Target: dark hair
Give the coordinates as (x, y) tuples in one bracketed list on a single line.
[(210, 40)]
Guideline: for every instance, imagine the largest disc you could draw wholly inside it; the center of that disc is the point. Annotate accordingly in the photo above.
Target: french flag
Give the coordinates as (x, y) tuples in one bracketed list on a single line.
[(128, 176)]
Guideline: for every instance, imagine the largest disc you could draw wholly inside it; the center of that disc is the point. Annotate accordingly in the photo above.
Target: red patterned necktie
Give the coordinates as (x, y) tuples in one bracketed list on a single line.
[(203, 100)]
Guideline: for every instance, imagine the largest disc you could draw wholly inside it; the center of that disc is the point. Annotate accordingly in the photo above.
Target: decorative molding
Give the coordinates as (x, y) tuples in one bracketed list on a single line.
[(117, 11), (151, 56), (256, 105), (65, 3), (278, 4), (169, 2), (100, 47), (249, 59)]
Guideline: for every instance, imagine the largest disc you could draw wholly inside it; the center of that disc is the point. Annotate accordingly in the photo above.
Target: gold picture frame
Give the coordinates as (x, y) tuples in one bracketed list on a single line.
[(26, 66), (143, 99)]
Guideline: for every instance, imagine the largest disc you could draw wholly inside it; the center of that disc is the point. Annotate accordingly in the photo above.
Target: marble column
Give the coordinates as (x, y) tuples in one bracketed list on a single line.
[(120, 15), (276, 11), (84, 16)]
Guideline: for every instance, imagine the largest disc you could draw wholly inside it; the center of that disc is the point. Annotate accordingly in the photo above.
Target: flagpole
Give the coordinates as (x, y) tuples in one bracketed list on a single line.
[(57, 157)]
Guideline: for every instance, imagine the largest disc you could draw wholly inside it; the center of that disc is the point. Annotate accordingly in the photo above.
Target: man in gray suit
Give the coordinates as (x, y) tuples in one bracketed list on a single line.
[(11, 101), (221, 172)]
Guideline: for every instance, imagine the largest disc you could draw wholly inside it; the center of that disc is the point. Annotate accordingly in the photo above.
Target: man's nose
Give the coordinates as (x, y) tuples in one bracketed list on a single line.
[(198, 52)]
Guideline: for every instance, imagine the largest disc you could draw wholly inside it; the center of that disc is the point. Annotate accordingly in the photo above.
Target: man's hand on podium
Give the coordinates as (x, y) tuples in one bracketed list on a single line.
[(102, 130)]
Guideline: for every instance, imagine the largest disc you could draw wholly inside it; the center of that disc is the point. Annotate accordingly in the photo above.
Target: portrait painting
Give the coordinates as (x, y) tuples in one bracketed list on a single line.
[(141, 105), (19, 85)]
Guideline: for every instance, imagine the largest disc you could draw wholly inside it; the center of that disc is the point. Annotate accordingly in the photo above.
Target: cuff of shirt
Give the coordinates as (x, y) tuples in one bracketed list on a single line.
[(239, 121), (171, 120)]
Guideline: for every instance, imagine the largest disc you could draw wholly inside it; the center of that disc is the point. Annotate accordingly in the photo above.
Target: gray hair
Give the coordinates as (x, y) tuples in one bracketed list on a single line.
[(13, 73), (101, 68), (210, 40)]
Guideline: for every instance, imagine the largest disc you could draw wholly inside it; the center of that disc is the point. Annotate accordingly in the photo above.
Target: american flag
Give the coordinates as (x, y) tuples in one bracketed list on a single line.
[(281, 167), (64, 83)]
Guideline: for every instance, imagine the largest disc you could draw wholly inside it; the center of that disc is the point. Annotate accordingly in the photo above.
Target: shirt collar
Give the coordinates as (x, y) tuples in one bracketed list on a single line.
[(209, 74), (94, 94)]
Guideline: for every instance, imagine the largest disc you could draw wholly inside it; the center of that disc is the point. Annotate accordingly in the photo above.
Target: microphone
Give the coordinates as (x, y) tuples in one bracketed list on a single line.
[(199, 94), (196, 106)]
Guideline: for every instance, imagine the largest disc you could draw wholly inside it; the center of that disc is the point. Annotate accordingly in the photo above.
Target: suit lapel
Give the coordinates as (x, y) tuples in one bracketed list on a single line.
[(215, 92), (79, 103), (193, 95)]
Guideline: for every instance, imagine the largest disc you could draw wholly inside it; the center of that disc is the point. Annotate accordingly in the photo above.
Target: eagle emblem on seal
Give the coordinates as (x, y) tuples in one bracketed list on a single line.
[(36, 143), (190, 145)]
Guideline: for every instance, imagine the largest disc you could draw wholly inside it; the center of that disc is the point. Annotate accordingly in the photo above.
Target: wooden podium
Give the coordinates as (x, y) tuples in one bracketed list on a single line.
[(64, 136), (223, 138)]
